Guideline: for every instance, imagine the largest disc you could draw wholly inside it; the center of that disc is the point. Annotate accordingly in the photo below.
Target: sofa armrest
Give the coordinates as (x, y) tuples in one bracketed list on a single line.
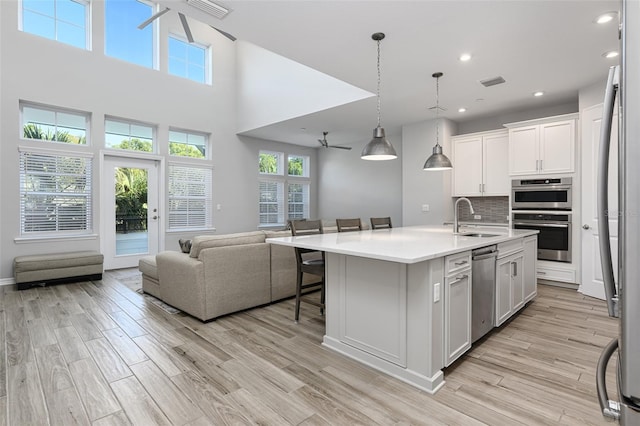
[(182, 282)]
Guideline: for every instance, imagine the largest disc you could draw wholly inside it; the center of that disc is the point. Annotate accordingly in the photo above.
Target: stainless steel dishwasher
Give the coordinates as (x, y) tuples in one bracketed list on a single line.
[(483, 290)]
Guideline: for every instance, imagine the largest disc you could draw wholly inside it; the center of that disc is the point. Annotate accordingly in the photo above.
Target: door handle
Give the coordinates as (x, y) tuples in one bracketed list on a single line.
[(585, 226)]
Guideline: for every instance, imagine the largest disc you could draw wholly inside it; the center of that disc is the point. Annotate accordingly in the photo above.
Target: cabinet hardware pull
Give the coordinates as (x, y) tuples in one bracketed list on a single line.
[(540, 165), (460, 263), (461, 277), (542, 273), (514, 267), (479, 187)]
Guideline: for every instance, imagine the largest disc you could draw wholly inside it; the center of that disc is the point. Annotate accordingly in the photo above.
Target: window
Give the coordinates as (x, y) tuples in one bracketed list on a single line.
[(123, 39), (54, 125), (298, 166), (270, 163), (271, 196), (274, 208), (55, 193), (187, 60), (190, 197), (61, 20), (128, 135), (298, 201), (187, 144)]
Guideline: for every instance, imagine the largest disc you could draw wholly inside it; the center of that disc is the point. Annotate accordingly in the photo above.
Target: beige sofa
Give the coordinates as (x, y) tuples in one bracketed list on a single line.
[(225, 273), (222, 274)]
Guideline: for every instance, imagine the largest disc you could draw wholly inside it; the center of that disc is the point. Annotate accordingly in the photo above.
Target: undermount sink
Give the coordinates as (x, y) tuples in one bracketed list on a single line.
[(478, 235)]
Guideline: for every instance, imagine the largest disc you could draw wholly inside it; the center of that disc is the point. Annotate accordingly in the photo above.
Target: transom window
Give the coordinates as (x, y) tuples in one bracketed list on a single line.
[(187, 144), (55, 125), (123, 39), (188, 60), (128, 135), (190, 197), (55, 193), (275, 205), (61, 20)]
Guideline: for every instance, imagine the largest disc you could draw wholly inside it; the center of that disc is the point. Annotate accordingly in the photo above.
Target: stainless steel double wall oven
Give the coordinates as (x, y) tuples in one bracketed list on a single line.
[(545, 205)]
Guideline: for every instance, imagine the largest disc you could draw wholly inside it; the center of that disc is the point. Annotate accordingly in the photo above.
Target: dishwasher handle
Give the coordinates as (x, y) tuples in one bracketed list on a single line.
[(485, 255)]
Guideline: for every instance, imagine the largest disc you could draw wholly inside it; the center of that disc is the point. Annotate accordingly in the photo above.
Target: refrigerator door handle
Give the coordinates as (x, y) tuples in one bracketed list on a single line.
[(609, 407), (603, 192)]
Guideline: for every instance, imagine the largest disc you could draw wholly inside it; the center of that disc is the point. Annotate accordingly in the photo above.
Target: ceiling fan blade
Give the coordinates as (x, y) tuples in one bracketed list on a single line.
[(224, 33), (153, 18), (340, 147), (185, 25)]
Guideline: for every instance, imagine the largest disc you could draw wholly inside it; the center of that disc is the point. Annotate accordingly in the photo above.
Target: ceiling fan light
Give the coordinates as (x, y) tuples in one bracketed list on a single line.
[(437, 161), (379, 148)]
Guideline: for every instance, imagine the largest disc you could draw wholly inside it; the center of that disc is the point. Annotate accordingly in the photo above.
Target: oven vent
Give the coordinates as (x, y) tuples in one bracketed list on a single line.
[(492, 81), (210, 7)]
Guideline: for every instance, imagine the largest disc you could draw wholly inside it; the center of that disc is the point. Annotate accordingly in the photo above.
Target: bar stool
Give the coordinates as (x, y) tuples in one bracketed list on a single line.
[(348, 225), (308, 262), (381, 223)]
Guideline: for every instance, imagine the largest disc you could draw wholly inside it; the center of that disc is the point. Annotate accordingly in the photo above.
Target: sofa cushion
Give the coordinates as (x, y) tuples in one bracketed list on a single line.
[(202, 242), (147, 265), (277, 234)]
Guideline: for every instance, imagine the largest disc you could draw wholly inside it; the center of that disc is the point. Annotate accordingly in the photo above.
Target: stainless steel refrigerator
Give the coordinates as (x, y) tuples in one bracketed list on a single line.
[(624, 299)]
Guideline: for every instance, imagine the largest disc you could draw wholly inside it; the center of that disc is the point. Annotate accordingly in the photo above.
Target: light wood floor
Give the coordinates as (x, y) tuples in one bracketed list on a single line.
[(99, 353)]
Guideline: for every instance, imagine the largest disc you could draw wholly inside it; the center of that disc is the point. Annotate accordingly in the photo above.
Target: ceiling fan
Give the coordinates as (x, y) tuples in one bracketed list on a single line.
[(325, 144), (185, 25)]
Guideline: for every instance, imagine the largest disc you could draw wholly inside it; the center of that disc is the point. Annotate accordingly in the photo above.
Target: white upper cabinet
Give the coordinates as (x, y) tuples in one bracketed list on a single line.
[(542, 146), (480, 164)]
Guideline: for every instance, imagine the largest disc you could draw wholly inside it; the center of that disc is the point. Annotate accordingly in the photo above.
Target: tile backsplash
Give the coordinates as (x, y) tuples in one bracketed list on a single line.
[(490, 209)]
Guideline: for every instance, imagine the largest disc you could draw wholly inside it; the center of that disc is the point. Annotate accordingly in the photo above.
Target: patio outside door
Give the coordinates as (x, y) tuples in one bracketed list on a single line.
[(131, 216)]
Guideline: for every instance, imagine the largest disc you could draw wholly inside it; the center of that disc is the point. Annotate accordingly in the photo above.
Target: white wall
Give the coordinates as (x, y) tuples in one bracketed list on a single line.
[(421, 187), (352, 187), (39, 70), (497, 121)]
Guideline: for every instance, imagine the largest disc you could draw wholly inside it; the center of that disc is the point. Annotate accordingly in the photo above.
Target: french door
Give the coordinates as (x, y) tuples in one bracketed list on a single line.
[(592, 282), (130, 212)]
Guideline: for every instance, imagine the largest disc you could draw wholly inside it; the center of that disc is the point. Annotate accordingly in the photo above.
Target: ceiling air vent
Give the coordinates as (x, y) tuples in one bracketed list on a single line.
[(210, 7), (492, 81)]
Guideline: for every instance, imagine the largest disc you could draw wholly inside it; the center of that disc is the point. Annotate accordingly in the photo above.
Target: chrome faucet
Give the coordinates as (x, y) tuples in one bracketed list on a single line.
[(456, 225)]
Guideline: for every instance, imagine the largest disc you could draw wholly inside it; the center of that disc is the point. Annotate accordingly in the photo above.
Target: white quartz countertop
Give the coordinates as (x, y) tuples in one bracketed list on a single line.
[(410, 244)]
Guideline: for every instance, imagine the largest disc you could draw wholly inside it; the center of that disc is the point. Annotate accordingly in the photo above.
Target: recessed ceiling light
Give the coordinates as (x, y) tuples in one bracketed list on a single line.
[(538, 94), (462, 109), (605, 17), (611, 54), (465, 57)]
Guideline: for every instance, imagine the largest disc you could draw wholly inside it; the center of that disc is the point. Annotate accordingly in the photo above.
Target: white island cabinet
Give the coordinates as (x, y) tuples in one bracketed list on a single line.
[(397, 299)]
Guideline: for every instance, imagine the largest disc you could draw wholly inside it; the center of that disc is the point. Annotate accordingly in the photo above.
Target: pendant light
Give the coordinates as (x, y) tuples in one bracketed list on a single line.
[(437, 161), (379, 148)]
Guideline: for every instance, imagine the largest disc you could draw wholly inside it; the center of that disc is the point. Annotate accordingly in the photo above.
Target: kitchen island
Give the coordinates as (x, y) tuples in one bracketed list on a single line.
[(399, 299)]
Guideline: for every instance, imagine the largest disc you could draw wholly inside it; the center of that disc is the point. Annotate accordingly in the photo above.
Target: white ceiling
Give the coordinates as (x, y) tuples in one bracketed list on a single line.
[(553, 46)]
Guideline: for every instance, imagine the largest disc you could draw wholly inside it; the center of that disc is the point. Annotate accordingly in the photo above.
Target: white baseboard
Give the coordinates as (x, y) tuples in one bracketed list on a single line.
[(7, 281)]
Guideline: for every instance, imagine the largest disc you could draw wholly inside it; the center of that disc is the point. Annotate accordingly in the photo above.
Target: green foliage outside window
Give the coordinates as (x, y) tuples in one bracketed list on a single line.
[(33, 131), (268, 163), (296, 166), (186, 150)]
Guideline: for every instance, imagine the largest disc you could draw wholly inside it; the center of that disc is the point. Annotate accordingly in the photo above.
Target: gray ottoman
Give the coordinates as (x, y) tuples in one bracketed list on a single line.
[(43, 269)]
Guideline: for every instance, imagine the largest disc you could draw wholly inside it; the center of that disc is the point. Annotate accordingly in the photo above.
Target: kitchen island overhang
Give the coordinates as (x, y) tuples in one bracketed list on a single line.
[(385, 304)]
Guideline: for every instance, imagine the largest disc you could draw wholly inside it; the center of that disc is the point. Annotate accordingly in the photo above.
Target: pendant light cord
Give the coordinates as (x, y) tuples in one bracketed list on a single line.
[(437, 111), (378, 92)]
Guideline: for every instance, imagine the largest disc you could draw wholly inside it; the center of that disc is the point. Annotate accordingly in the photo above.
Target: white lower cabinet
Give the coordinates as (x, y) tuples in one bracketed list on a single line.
[(530, 267), (509, 286), (457, 298)]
